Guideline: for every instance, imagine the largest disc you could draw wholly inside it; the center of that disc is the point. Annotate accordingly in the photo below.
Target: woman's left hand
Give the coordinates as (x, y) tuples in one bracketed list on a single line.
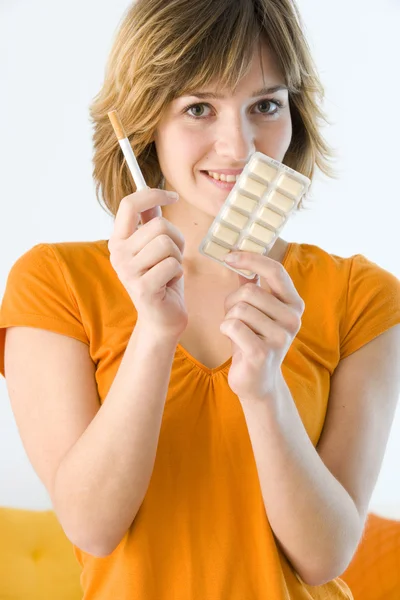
[(261, 326)]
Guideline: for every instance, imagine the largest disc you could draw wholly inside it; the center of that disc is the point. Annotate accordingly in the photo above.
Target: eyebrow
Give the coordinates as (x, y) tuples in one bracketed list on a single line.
[(261, 92)]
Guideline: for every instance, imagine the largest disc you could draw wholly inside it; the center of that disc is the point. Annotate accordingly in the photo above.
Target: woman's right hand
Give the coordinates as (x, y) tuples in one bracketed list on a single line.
[(148, 261)]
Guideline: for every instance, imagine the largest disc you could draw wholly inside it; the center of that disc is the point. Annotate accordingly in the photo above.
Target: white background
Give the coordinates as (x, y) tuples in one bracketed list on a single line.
[(52, 59)]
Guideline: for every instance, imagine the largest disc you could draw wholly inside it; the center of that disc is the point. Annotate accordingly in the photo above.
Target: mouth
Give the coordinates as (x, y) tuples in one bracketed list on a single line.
[(220, 180)]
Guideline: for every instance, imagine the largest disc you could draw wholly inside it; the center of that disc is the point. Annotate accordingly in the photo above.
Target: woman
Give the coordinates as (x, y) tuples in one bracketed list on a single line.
[(178, 470)]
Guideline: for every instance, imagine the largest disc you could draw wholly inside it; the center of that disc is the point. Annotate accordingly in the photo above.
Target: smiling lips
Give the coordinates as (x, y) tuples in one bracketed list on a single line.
[(221, 181), (226, 175)]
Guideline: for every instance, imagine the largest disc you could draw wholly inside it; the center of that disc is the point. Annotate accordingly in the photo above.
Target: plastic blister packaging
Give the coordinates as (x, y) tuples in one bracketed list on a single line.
[(257, 208)]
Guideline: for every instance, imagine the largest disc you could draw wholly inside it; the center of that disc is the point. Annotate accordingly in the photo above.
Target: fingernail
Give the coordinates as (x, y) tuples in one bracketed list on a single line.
[(172, 195), (232, 258)]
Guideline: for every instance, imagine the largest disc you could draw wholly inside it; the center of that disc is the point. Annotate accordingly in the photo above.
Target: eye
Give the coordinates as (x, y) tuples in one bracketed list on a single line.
[(195, 106), (268, 103), (201, 106)]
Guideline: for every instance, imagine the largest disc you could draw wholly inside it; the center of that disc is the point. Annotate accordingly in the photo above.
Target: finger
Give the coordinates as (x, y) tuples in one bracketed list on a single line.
[(156, 251), (266, 304), (244, 280), (155, 228), (127, 218), (271, 270), (241, 335), (162, 274), (259, 298), (259, 322), (151, 213)]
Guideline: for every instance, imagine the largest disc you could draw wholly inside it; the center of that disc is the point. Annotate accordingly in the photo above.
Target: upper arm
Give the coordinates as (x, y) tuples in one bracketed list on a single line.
[(52, 388), (363, 397)]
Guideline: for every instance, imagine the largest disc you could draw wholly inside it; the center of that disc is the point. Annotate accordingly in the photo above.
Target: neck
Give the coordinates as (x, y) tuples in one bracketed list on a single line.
[(194, 225)]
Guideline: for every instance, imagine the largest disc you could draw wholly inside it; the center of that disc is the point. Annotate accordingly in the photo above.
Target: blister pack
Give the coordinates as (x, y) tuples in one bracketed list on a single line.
[(255, 211)]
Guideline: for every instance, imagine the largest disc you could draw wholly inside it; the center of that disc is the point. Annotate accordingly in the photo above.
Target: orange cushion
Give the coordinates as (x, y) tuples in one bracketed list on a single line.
[(36, 558), (374, 572)]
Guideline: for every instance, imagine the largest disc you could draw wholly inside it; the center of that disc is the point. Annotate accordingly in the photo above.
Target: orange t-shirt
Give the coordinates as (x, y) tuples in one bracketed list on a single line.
[(202, 532)]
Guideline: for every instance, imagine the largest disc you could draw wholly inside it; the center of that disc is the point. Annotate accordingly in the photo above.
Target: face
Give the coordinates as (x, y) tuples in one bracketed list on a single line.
[(221, 134)]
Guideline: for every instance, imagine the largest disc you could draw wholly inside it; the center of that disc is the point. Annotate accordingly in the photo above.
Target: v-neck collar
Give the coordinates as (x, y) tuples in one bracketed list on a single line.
[(224, 366)]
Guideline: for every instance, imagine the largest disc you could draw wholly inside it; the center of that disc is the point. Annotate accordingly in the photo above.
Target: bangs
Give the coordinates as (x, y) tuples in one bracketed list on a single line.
[(224, 53), (220, 48)]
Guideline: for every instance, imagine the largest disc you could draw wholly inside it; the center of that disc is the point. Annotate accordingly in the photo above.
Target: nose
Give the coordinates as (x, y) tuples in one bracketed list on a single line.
[(235, 140)]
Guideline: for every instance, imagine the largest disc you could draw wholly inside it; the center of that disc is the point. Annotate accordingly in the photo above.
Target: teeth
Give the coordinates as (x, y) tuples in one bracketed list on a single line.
[(221, 177)]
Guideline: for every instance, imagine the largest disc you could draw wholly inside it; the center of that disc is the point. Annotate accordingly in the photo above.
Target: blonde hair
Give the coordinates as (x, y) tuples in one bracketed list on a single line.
[(164, 49)]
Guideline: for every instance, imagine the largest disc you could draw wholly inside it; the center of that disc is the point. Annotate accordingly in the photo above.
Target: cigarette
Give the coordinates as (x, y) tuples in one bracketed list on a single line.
[(130, 159), (127, 150)]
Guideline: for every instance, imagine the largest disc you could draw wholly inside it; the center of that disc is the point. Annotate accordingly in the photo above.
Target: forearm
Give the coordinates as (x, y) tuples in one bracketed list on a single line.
[(313, 517), (102, 480)]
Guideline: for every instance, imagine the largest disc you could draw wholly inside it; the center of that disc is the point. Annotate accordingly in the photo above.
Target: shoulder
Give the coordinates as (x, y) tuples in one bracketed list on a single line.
[(320, 277), (64, 272), (307, 261), (61, 252), (356, 295), (309, 258), (73, 252), (81, 263)]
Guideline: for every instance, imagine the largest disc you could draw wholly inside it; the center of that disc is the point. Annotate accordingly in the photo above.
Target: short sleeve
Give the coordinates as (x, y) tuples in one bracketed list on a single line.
[(37, 295), (372, 306)]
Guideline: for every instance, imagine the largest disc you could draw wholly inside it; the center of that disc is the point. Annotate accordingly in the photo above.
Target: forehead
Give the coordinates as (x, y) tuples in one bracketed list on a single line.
[(263, 72)]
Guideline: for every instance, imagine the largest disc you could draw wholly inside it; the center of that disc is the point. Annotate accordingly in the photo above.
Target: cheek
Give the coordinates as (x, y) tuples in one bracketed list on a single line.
[(277, 139), (192, 136), (179, 146), (169, 147), (187, 144), (190, 142)]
